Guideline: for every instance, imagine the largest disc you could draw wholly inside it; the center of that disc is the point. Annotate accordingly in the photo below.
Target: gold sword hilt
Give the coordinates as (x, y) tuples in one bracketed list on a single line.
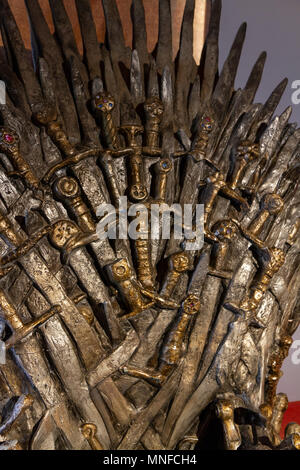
[(272, 260), (280, 406), (179, 263), (271, 204), (10, 146), (67, 236), (154, 110), (246, 152), (275, 365), (103, 104), (225, 231), (225, 412), (89, 432), (171, 350), (200, 144), (21, 331), (8, 232), (162, 168), (68, 190), (121, 275), (137, 190), (46, 116)]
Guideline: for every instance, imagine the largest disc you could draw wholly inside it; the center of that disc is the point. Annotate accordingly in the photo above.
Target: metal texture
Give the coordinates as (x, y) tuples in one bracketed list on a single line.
[(141, 344)]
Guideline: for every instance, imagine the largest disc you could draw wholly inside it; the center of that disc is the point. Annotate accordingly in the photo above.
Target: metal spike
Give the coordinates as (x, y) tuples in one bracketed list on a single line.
[(187, 32), (17, 47), (115, 35), (64, 31), (123, 91), (7, 49), (210, 55), (273, 133), (109, 77), (240, 104), (46, 42), (239, 133), (194, 100), (63, 28), (269, 107), (186, 66), (136, 79), (153, 88), (139, 31), (47, 82), (110, 83), (224, 87), (164, 45), (199, 275), (273, 101), (14, 88), (167, 99), (89, 37), (89, 131), (255, 76)]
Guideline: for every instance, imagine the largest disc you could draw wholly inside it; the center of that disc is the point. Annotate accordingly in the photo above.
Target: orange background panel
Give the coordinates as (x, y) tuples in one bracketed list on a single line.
[(151, 13), (151, 10)]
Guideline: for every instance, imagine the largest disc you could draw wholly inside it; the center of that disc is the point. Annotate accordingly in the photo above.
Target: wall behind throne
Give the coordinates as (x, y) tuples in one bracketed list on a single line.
[(151, 12)]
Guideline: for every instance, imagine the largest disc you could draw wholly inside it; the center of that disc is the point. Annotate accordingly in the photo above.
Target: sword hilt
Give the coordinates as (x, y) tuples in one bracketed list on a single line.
[(10, 146)]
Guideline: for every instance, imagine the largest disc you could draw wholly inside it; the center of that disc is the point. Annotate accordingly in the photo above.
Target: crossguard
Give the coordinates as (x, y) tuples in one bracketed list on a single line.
[(131, 132), (21, 333), (121, 275), (68, 190), (67, 236), (81, 155), (160, 301), (213, 186), (271, 204)]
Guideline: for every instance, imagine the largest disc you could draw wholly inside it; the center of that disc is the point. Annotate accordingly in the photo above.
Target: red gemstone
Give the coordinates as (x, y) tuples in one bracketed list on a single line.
[(8, 138)]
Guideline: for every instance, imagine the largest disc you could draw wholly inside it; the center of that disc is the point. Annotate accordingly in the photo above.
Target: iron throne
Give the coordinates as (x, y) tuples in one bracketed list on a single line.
[(142, 344)]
